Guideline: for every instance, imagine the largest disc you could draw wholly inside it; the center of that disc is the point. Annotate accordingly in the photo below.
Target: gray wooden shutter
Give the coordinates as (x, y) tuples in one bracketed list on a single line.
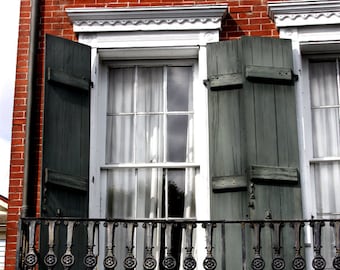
[(253, 133), (66, 134)]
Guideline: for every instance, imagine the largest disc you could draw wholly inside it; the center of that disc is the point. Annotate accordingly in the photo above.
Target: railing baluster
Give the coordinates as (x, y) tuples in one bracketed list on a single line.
[(169, 262), (149, 261), (299, 262), (278, 262), (318, 263), (336, 260), (31, 258), (209, 263), (67, 260), (110, 261), (90, 260), (257, 263), (130, 261), (50, 259), (189, 262)]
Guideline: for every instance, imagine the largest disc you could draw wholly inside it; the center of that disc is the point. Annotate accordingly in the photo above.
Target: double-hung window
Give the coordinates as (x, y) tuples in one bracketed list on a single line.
[(325, 113), (149, 140)]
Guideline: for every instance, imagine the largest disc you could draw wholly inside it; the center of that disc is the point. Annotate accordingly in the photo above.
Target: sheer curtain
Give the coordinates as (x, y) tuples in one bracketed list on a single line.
[(326, 143), (326, 133), (139, 130)]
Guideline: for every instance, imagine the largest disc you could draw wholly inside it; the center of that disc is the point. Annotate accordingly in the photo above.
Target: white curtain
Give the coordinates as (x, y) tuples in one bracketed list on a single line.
[(326, 134), (138, 131), (326, 143)]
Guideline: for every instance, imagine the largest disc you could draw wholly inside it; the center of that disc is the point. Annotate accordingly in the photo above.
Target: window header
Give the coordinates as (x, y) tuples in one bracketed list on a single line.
[(304, 12), (147, 18)]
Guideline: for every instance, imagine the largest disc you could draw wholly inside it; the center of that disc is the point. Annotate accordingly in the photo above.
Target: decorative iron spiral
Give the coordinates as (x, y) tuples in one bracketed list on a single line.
[(319, 263), (209, 263), (336, 262), (90, 261), (278, 263), (257, 263), (150, 263), (130, 262), (50, 260), (67, 260), (169, 262), (31, 259), (189, 263), (110, 262), (299, 263)]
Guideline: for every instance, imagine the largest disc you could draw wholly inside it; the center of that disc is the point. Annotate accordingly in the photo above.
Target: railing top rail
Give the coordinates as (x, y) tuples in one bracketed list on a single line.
[(178, 220)]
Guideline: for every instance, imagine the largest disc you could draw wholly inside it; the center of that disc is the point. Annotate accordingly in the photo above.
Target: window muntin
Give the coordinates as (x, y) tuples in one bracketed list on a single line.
[(149, 108), (325, 107), (325, 112)]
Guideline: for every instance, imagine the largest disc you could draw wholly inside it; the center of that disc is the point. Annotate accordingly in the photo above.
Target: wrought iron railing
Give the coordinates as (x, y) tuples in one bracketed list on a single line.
[(261, 244)]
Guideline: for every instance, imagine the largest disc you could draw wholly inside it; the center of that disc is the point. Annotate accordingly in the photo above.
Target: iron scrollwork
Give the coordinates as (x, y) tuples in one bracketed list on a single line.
[(169, 262), (257, 263), (278, 262), (318, 263), (50, 259), (189, 262), (110, 261), (150, 262), (209, 263), (130, 261), (336, 260), (299, 262), (67, 260), (31, 258), (90, 260)]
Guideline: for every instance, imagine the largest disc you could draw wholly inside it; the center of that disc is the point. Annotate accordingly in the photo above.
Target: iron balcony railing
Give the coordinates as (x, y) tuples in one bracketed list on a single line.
[(53, 243)]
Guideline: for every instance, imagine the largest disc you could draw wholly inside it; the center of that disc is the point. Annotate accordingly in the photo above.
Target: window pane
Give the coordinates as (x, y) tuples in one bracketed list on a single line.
[(149, 136), (176, 191), (121, 88), (121, 193), (119, 139), (177, 132), (150, 89), (327, 184), (326, 132), (179, 92), (323, 83)]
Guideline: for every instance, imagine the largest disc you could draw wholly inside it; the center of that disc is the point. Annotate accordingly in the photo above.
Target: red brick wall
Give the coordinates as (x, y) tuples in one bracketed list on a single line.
[(245, 17)]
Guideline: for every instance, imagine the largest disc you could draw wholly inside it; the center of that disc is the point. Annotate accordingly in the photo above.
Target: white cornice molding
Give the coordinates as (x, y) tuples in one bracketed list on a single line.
[(147, 18), (304, 12)]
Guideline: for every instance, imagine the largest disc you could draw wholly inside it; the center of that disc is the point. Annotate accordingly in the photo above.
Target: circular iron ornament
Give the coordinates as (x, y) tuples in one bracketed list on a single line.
[(169, 262), (257, 263), (319, 263), (278, 263), (50, 260), (150, 263), (90, 261), (67, 260), (336, 262), (31, 259), (189, 263), (110, 262), (299, 263), (209, 263), (130, 262)]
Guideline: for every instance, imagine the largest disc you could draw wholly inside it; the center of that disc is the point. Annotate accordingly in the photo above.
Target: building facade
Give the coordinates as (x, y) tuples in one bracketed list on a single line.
[(196, 124)]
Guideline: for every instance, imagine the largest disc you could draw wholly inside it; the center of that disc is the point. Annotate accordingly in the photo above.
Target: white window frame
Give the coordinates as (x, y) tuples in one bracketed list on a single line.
[(179, 32), (314, 28)]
